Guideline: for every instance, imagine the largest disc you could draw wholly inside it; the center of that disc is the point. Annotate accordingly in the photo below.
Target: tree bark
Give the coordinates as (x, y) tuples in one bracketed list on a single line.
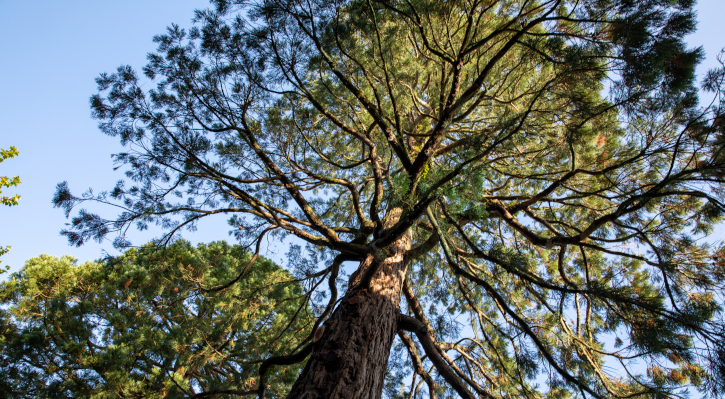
[(350, 356)]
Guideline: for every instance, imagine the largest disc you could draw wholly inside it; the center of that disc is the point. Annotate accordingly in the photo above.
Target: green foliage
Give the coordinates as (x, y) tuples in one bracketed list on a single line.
[(146, 324), (8, 182)]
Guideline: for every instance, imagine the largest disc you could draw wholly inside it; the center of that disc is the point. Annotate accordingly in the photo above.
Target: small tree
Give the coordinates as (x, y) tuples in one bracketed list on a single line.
[(148, 324), (533, 179)]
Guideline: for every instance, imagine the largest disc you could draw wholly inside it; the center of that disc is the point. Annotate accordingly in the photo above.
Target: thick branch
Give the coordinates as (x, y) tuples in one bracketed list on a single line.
[(410, 324)]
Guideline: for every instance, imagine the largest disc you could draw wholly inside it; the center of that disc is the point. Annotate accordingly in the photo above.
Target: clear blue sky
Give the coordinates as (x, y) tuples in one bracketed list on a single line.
[(51, 52)]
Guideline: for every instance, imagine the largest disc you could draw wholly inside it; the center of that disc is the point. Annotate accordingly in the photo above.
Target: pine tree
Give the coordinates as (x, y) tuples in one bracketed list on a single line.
[(148, 324), (533, 180)]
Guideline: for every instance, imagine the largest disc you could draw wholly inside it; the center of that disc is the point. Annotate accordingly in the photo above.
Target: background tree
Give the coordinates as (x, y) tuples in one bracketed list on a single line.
[(532, 178), (8, 182), (150, 323)]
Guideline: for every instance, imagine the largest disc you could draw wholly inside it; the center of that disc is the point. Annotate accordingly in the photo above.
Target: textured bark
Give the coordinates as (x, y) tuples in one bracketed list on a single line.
[(350, 357)]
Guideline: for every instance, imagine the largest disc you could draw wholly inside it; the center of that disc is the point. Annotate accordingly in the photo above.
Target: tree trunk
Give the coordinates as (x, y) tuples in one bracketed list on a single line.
[(350, 357)]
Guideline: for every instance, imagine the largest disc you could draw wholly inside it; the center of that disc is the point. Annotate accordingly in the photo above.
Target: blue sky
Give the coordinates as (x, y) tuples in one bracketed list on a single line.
[(51, 52)]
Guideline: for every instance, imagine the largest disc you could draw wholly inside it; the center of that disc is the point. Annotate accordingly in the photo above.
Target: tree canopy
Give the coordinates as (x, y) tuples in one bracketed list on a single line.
[(148, 324), (534, 180)]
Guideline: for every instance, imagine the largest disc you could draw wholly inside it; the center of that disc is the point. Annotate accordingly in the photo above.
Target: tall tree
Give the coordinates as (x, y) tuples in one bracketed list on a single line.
[(148, 324), (531, 179), (8, 182)]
